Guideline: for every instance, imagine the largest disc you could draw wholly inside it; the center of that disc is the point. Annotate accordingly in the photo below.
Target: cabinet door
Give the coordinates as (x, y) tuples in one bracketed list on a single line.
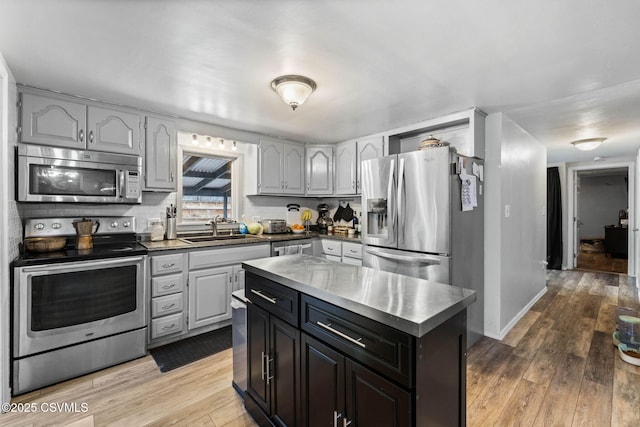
[(160, 155), (238, 277), (374, 401), (257, 350), (346, 168), (319, 169), (209, 296), (293, 168), (114, 131), (369, 148), (271, 180), (283, 371), (322, 375), (53, 121)]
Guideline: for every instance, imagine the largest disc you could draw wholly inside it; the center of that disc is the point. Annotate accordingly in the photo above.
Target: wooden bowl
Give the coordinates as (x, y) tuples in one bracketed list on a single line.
[(44, 244)]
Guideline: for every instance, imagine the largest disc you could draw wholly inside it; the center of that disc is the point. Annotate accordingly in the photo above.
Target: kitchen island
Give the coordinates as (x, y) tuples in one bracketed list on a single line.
[(331, 343)]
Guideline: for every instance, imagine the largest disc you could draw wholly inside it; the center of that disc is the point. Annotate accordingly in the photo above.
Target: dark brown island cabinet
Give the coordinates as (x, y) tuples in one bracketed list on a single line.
[(334, 344)]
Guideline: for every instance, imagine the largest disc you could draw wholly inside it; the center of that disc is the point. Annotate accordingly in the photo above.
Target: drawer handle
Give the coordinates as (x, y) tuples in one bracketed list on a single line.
[(337, 332), (168, 265), (168, 306), (261, 295), (169, 327), (329, 248), (168, 286), (352, 251)]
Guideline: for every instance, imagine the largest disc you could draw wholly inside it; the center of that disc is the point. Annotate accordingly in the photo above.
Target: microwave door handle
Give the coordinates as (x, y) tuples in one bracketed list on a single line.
[(120, 185)]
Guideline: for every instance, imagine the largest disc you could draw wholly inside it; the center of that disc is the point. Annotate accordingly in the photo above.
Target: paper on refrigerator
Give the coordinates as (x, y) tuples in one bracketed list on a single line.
[(468, 191)]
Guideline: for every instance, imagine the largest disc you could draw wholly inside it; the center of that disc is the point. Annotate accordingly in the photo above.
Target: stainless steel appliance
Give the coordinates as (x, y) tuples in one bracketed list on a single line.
[(274, 226), (49, 174), (414, 223), (290, 247), (239, 340), (77, 310)]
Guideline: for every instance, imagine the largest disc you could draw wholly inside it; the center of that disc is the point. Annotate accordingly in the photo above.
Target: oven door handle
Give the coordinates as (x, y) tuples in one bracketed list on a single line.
[(91, 265)]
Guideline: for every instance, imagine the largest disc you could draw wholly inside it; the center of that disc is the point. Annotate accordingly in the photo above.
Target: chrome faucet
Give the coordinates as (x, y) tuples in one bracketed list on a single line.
[(214, 225)]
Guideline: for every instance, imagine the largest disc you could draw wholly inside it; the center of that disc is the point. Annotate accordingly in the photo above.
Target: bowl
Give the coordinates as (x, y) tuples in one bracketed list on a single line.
[(296, 231), (44, 244), (629, 354)]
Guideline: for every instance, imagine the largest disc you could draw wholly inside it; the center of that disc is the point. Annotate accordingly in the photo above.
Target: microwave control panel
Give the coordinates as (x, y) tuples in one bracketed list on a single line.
[(132, 185)]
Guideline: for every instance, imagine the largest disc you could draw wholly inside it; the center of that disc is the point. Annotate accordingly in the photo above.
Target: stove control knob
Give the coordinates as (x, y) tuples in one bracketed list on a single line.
[(56, 225), (114, 224), (39, 226), (126, 224)]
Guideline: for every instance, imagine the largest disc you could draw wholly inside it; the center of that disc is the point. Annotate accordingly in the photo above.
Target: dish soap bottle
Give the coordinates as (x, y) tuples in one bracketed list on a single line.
[(356, 223)]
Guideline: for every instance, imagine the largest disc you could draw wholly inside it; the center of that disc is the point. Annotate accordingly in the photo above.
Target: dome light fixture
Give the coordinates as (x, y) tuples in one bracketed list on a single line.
[(293, 89), (588, 144)]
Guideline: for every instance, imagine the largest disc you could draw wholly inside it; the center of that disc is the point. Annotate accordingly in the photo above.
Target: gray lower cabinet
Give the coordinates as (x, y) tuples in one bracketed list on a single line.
[(168, 293), (210, 296)]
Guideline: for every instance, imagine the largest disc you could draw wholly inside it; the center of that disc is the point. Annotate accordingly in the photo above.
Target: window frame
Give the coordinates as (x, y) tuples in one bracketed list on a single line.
[(236, 166)]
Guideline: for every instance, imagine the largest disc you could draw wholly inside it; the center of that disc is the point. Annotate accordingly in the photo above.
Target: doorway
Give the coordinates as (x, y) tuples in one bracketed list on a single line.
[(601, 214)]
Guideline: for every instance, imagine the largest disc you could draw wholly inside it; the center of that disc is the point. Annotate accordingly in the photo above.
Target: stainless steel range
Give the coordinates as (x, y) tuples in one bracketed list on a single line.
[(77, 310)]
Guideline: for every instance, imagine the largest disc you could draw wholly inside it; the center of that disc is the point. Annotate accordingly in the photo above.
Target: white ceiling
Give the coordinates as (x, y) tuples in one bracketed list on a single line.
[(563, 70)]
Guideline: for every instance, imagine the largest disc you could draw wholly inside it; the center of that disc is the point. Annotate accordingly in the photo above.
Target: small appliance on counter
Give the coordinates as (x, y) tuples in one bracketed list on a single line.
[(324, 220), (274, 226)]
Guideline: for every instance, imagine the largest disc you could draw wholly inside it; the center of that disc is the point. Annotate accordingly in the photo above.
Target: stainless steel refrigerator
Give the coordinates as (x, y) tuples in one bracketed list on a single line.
[(415, 222)]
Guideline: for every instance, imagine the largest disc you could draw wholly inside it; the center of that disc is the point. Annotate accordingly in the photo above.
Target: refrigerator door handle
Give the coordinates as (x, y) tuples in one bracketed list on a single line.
[(393, 214), (421, 259), (401, 200)]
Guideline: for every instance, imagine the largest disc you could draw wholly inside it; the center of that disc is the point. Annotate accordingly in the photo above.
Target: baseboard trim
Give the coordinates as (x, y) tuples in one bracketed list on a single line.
[(503, 333)]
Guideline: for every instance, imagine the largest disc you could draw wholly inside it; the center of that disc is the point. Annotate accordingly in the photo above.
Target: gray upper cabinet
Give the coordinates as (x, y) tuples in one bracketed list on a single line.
[(53, 120), (368, 148), (114, 130), (346, 168), (281, 167), (348, 157), (319, 169), (69, 122), (160, 161)]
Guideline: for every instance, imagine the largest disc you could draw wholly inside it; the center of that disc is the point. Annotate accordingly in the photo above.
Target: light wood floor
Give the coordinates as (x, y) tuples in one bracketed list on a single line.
[(556, 367), (599, 261)]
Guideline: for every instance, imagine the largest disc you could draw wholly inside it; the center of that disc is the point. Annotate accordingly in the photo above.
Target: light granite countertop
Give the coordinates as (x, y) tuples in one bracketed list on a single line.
[(411, 305)]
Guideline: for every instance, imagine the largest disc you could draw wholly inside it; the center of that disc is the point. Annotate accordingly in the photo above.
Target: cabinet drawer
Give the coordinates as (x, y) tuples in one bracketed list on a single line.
[(225, 256), (167, 304), (351, 250), (378, 346), (167, 325), (273, 297), (352, 261), (331, 247), (167, 285), (164, 264)]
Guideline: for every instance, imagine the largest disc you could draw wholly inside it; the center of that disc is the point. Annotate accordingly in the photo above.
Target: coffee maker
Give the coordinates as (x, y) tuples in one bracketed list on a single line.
[(324, 220)]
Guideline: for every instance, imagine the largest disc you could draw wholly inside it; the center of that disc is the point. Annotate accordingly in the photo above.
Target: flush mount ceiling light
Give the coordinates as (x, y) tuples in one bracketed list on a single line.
[(588, 144), (293, 90)]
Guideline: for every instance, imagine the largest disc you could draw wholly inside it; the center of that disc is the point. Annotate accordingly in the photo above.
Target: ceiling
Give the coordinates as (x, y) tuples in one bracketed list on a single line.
[(563, 70)]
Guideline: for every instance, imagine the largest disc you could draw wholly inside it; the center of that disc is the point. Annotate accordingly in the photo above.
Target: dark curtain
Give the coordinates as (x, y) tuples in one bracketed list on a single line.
[(554, 220)]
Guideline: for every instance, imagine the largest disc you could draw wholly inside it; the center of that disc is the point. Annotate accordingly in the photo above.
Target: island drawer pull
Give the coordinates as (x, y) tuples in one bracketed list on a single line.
[(337, 332), (261, 295)]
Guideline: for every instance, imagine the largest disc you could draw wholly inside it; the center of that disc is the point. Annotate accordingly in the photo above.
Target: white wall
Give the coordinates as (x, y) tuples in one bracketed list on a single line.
[(10, 228), (515, 247), (600, 199)]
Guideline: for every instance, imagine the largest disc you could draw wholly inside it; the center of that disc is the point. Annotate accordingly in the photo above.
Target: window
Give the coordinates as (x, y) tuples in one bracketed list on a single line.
[(206, 187)]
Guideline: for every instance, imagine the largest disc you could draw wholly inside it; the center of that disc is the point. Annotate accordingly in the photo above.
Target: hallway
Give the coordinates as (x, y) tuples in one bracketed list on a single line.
[(558, 366)]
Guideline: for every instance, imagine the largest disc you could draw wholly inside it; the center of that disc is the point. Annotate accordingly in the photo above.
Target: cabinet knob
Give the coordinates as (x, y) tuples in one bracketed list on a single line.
[(91, 137), (81, 135)]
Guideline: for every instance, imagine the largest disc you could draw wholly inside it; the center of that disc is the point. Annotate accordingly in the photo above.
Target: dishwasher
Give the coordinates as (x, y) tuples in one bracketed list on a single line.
[(239, 340)]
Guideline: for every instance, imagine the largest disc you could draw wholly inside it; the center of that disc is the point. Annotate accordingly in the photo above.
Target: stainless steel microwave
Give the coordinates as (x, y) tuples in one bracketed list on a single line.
[(50, 174)]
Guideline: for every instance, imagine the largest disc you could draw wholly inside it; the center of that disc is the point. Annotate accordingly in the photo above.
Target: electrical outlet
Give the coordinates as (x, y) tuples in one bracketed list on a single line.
[(507, 211)]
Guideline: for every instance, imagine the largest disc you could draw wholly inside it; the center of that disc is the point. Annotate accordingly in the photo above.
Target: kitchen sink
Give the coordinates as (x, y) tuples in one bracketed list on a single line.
[(209, 238)]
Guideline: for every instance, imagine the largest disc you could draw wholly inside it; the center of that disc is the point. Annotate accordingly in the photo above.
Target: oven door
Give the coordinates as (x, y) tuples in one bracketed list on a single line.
[(56, 305)]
